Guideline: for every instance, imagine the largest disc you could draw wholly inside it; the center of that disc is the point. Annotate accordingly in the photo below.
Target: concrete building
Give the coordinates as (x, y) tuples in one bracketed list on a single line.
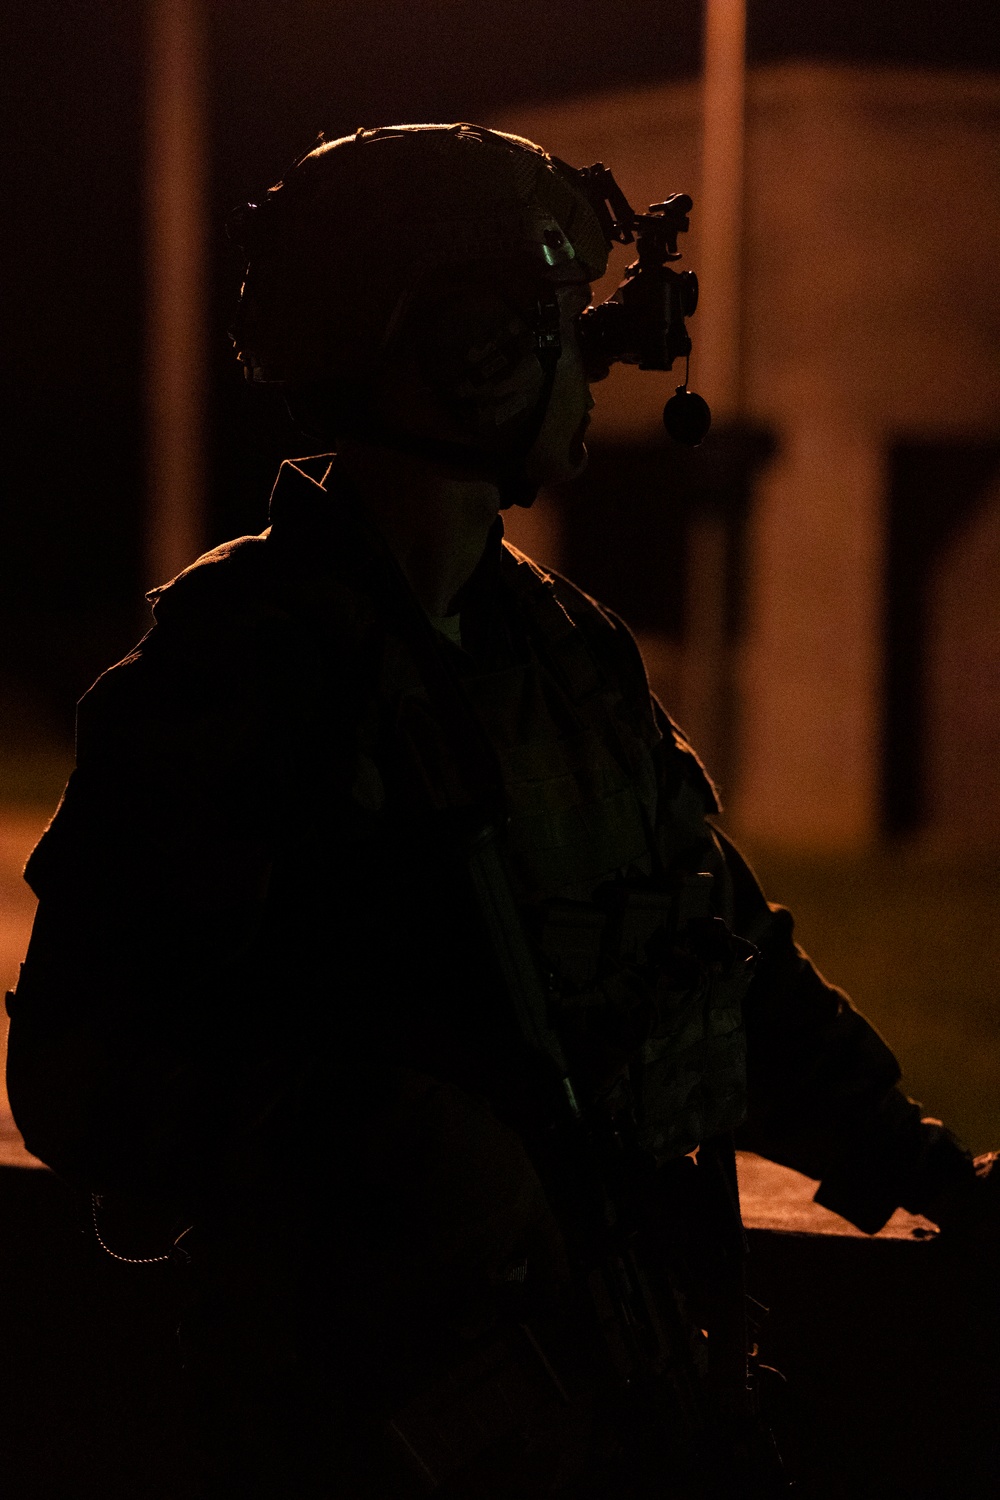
[(867, 671)]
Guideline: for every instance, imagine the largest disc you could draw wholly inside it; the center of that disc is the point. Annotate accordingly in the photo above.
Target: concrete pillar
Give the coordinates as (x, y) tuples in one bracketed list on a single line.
[(811, 664), (175, 272), (705, 688)]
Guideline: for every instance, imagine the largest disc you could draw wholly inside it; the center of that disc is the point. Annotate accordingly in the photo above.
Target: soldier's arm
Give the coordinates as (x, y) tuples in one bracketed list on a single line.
[(823, 1086), (824, 1092)]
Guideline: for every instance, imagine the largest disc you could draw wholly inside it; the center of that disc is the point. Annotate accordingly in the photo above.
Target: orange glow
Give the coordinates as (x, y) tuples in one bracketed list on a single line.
[(175, 278), (721, 204)]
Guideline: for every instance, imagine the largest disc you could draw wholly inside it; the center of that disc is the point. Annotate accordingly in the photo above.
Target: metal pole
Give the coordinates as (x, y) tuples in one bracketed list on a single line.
[(721, 205), (175, 271), (707, 686)]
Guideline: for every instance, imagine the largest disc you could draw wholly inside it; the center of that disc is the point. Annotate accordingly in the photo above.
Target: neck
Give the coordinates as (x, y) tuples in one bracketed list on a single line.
[(434, 520)]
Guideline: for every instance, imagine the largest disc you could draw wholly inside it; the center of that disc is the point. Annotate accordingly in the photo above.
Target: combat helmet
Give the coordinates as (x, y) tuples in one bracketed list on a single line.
[(341, 246), (366, 230)]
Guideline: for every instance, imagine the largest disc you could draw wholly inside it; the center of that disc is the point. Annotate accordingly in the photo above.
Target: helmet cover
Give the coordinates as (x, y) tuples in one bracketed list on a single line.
[(339, 248)]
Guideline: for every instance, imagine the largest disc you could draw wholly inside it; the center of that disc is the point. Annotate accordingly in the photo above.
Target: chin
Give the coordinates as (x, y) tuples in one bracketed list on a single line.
[(560, 473), (557, 462)]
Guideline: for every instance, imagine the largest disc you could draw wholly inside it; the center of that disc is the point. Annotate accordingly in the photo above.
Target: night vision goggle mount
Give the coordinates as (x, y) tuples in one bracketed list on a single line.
[(643, 323)]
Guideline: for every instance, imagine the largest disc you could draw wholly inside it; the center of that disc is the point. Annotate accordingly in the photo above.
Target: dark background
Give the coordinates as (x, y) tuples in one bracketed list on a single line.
[(71, 345), (71, 375)]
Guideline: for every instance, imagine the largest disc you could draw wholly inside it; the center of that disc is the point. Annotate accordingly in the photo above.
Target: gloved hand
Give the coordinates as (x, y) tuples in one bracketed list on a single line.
[(969, 1208)]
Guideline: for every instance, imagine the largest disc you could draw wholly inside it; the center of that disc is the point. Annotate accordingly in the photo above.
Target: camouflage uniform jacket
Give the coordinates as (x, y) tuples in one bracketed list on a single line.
[(251, 882)]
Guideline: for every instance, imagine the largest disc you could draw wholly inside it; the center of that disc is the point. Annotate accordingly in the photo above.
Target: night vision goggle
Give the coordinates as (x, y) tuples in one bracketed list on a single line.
[(643, 322)]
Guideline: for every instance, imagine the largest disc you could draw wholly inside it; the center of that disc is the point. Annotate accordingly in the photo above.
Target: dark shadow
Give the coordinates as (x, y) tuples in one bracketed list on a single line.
[(933, 489), (630, 541), (627, 521)]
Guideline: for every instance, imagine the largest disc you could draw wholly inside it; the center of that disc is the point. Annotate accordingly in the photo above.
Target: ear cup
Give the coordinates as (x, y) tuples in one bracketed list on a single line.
[(494, 412), (489, 385)]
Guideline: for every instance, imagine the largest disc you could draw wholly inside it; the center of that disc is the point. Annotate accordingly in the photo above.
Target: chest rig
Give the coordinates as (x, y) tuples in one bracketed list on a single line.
[(617, 879)]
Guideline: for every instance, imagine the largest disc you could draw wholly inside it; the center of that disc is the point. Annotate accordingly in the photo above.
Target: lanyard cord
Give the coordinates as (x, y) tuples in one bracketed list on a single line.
[(130, 1260)]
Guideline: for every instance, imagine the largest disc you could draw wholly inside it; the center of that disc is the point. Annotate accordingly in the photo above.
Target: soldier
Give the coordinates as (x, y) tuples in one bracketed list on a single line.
[(386, 947)]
